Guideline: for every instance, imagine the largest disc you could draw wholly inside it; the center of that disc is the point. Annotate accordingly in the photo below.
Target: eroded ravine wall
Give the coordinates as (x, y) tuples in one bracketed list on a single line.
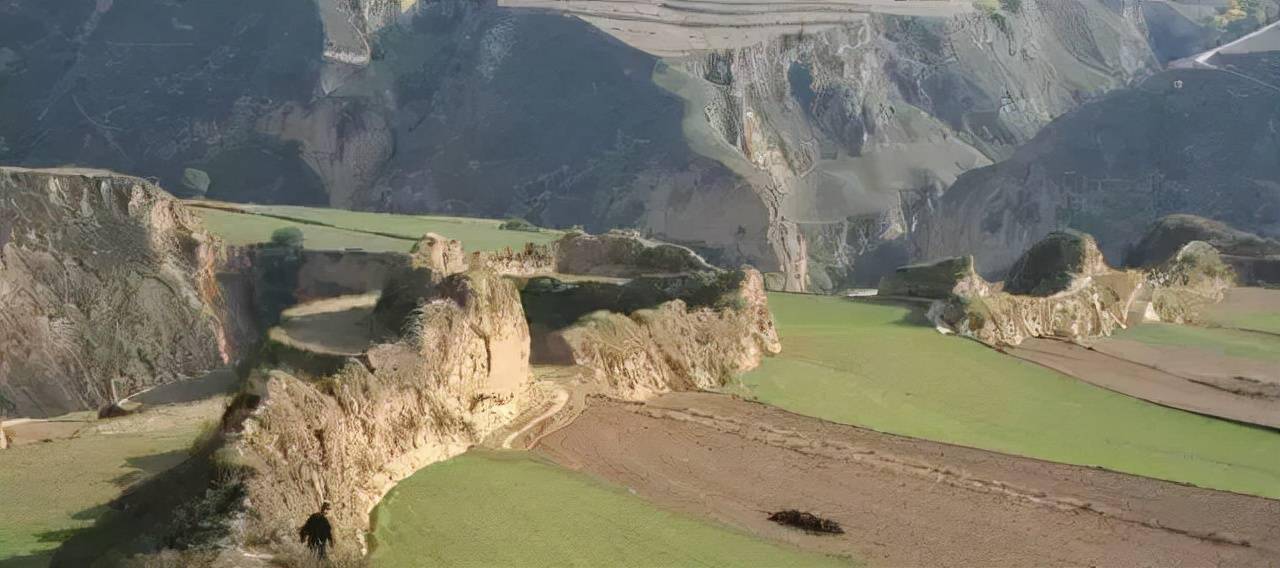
[(108, 286)]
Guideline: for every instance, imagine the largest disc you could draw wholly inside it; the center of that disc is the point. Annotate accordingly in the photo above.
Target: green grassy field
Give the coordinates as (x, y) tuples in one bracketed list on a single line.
[(509, 509), (340, 229), (242, 229), (50, 490), (1229, 342), (873, 365), (1264, 322)]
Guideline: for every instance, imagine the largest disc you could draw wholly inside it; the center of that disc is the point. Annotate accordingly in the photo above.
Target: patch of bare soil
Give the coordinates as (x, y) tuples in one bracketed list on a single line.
[(902, 501), (1244, 302), (1117, 365)]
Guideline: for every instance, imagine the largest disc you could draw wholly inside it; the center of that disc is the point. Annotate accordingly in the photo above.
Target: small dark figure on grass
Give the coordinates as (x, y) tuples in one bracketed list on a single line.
[(317, 533), (807, 522)]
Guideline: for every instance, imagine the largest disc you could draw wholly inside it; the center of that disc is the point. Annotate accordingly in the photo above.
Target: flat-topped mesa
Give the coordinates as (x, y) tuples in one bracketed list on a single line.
[(617, 253), (623, 254), (675, 323), (293, 441), (110, 286)]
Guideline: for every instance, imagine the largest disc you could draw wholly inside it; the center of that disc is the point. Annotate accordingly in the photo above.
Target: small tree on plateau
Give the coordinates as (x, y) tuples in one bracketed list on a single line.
[(287, 237)]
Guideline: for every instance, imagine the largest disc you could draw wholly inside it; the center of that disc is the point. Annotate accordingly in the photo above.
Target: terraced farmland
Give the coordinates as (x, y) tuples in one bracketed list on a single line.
[(876, 366), (533, 513)]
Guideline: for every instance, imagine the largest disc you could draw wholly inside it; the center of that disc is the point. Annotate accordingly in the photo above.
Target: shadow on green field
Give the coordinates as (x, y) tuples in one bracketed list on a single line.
[(142, 467)]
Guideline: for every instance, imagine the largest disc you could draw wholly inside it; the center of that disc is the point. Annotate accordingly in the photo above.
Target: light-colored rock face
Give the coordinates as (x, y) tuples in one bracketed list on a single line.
[(623, 255), (108, 286), (673, 347), (1194, 278), (1094, 307), (440, 254), (855, 127), (455, 376), (1063, 289)]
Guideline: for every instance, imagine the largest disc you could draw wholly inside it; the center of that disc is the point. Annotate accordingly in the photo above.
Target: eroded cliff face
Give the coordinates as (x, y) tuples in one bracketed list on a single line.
[(1199, 141), (673, 346), (1192, 279), (108, 286), (856, 126), (1062, 289), (799, 140), (458, 373)]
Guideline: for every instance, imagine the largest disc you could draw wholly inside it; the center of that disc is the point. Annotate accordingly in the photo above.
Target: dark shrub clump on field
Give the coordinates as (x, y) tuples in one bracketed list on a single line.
[(808, 522), (518, 224)]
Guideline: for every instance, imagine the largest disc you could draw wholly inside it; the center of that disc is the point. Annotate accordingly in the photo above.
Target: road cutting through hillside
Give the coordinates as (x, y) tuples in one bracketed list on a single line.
[(903, 501)]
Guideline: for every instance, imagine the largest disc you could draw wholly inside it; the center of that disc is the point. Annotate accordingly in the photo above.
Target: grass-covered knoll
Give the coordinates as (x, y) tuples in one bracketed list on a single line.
[(508, 509), (1228, 342), (336, 229), (48, 491), (873, 365)]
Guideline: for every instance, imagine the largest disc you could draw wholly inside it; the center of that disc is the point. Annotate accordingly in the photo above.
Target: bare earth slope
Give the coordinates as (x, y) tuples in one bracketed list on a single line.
[(905, 501), (108, 286)]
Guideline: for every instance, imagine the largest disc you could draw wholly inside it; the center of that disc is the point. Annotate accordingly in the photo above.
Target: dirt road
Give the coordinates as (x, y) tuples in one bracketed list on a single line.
[(902, 501)]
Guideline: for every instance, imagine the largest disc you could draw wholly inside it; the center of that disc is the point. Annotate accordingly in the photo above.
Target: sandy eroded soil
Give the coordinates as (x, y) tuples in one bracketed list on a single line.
[(904, 501)]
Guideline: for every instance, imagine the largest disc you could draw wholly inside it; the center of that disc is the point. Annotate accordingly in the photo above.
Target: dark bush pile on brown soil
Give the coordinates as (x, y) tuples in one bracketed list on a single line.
[(808, 522)]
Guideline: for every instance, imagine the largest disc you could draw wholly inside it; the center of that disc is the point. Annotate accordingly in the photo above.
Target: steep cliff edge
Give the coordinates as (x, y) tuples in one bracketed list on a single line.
[(676, 346), (108, 286), (294, 439), (456, 373)]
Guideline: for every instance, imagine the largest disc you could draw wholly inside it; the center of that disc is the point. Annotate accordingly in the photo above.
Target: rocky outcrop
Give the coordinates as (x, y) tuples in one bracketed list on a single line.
[(1182, 286), (675, 347), (1063, 290), (1255, 259), (621, 254), (1053, 264), (108, 286), (439, 254), (294, 440)]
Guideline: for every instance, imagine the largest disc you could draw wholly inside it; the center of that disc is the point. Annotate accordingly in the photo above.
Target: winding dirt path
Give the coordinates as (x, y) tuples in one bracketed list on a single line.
[(903, 501)]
